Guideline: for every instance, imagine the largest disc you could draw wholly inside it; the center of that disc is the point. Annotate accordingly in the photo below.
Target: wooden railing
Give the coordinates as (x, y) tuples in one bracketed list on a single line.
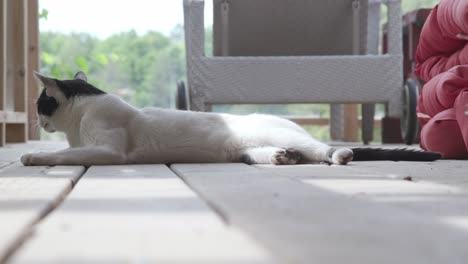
[(305, 120), (19, 57)]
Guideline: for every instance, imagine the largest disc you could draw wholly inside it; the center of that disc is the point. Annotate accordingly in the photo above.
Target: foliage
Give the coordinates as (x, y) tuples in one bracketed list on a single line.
[(408, 5), (144, 69), (43, 14)]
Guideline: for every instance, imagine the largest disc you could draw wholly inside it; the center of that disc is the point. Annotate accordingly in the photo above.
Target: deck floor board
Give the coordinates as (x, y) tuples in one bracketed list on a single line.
[(315, 213), (366, 212), (27, 194), (137, 214)]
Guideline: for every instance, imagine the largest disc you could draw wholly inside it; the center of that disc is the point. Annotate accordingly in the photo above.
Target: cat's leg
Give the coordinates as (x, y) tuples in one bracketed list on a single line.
[(340, 156), (316, 151), (270, 155), (85, 156), (319, 152)]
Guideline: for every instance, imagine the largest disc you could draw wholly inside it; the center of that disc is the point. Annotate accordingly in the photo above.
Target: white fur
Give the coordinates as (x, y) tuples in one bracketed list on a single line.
[(104, 129)]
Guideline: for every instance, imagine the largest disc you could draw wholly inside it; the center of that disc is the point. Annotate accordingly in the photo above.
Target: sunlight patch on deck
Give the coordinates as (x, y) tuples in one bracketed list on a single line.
[(377, 187), (457, 221)]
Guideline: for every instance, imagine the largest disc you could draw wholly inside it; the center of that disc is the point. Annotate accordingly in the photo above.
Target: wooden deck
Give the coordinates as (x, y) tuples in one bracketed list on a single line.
[(367, 212)]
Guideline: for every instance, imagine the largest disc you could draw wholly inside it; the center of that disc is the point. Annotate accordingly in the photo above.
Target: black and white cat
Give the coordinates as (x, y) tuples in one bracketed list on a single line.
[(102, 129)]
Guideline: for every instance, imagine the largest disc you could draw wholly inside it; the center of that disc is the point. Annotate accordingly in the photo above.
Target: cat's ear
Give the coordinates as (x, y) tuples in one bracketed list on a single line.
[(49, 84), (81, 76)]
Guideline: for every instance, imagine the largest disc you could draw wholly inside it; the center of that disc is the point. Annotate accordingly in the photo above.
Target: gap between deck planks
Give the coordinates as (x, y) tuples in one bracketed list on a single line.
[(28, 194), (314, 219), (137, 214)]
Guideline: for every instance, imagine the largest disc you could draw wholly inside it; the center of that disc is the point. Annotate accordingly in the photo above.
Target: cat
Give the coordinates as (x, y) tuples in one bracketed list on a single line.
[(102, 129)]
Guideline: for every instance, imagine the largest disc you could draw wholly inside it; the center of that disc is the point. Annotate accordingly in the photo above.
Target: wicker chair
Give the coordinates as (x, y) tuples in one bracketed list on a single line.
[(301, 51)]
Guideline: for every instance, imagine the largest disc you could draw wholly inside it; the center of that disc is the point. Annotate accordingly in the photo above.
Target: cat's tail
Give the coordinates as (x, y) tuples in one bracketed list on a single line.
[(402, 154)]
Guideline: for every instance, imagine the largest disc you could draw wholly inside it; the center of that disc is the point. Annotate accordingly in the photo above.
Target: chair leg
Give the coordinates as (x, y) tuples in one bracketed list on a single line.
[(367, 122)]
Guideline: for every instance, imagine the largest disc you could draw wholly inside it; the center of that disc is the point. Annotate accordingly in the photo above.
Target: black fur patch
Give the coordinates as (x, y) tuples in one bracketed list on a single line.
[(46, 105), (77, 87), (245, 158), (70, 88)]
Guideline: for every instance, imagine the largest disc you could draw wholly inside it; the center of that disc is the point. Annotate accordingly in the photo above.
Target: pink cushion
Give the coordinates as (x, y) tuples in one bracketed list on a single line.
[(440, 92), (442, 134), (439, 48), (461, 112)]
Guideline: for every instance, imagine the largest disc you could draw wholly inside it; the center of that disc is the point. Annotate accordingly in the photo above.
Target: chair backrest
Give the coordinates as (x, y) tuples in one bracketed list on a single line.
[(288, 27)]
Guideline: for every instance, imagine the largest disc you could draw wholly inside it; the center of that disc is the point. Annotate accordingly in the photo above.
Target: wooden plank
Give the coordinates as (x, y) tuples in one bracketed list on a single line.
[(3, 61), (17, 51), (12, 152), (136, 214), (27, 194), (304, 120), (2, 134), (3, 54), (16, 94), (351, 123), (437, 192), (33, 65), (307, 223), (13, 117), (15, 133), (448, 172), (430, 193)]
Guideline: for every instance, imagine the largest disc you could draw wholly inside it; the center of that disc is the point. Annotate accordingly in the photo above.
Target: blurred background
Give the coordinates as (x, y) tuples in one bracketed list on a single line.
[(136, 51)]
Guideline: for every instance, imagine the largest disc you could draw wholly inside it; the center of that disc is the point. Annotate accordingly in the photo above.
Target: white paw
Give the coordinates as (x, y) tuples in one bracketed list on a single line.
[(27, 159), (37, 159), (342, 156), (286, 157)]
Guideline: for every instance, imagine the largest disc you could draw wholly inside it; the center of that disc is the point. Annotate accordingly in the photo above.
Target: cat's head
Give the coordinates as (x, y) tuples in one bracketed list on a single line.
[(59, 93)]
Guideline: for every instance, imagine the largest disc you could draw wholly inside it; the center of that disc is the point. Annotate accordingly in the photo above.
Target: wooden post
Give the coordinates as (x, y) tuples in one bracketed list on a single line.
[(2, 68), (33, 65), (351, 123), (17, 61)]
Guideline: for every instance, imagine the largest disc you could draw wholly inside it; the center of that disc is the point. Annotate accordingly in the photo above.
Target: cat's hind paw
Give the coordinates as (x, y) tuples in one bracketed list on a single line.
[(285, 157), (342, 156)]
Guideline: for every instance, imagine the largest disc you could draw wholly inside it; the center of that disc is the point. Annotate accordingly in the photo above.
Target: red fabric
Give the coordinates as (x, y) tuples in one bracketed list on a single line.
[(439, 48), (442, 134), (443, 113), (442, 61), (461, 114)]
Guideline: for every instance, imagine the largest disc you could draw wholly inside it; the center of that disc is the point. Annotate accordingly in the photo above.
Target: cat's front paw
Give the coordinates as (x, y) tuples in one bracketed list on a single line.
[(27, 159), (36, 159), (342, 156)]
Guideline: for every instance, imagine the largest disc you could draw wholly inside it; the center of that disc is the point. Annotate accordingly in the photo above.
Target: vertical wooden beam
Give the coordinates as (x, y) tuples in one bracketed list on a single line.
[(9, 95), (2, 53), (17, 38), (17, 64), (351, 123), (336, 122), (3, 61), (33, 65)]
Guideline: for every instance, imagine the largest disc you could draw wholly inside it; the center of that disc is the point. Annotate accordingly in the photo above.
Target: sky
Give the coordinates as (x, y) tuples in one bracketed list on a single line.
[(103, 18)]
